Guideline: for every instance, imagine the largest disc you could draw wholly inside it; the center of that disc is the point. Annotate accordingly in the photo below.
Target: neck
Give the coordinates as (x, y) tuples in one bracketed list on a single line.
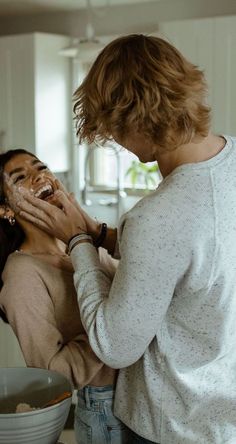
[(37, 241), (194, 152)]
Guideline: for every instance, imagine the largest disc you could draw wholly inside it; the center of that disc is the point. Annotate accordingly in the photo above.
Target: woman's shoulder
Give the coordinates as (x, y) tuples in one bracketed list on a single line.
[(18, 264), (19, 275), (18, 259), (42, 262)]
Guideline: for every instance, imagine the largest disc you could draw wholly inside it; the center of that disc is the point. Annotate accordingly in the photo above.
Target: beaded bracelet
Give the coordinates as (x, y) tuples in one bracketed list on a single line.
[(76, 239)]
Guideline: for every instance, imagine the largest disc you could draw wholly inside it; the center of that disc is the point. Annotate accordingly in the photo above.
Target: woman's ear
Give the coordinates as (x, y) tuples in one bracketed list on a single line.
[(6, 213), (2, 211)]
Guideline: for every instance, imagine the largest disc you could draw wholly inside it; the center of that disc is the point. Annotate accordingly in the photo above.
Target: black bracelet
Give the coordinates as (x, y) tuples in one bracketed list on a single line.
[(102, 235)]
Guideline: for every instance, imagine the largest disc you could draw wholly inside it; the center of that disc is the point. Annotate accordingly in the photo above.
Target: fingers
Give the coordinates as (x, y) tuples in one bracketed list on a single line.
[(72, 197), (33, 205), (42, 212), (28, 207), (30, 212), (74, 201), (61, 216), (59, 186), (77, 205), (34, 220), (15, 198), (91, 224), (62, 199)]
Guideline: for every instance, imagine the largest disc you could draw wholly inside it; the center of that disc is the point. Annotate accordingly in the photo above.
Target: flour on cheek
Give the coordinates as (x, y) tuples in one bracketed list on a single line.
[(15, 194)]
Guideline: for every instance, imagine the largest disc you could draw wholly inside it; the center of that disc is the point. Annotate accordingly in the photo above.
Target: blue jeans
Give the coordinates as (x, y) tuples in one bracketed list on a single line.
[(95, 422)]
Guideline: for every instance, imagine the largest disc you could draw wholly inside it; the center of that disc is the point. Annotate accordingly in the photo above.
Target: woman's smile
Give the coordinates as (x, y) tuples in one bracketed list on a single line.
[(29, 173)]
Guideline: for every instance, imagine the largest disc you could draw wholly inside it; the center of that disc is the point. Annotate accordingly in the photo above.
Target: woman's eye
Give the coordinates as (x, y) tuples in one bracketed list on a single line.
[(18, 178), (42, 167)]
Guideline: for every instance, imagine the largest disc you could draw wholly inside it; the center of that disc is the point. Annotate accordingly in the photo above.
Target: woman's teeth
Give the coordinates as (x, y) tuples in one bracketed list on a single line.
[(43, 192)]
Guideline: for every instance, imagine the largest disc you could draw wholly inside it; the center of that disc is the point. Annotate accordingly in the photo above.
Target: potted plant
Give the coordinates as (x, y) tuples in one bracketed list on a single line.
[(142, 173)]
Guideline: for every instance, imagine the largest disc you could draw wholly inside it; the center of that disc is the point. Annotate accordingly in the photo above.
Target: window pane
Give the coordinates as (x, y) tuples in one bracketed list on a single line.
[(108, 165), (112, 161)]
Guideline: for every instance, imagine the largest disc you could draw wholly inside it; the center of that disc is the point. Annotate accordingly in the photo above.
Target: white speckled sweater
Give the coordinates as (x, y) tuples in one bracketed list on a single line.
[(169, 318)]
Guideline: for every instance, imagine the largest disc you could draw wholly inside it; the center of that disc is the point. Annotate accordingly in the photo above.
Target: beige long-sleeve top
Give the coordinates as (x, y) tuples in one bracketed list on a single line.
[(40, 302)]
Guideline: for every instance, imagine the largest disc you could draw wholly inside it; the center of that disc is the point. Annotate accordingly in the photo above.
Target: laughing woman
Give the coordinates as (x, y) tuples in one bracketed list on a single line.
[(39, 301)]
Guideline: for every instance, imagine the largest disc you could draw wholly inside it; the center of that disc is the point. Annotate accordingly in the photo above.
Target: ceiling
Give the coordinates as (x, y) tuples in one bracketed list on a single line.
[(18, 7), (70, 18)]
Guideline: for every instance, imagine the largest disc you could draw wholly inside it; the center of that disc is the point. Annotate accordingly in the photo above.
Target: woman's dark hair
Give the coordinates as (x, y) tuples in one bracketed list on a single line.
[(11, 236)]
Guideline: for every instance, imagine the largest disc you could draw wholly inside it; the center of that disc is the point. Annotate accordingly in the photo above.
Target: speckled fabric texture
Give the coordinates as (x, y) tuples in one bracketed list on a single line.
[(168, 320)]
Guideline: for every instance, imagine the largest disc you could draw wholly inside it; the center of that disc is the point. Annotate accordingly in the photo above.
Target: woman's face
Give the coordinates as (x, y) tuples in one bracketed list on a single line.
[(29, 173)]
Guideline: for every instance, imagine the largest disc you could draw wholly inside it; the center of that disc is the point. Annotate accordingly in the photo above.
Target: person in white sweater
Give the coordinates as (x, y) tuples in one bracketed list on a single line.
[(168, 318)]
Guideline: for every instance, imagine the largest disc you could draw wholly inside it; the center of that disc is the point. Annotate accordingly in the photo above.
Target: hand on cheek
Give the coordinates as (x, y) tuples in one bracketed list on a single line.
[(62, 220), (15, 197)]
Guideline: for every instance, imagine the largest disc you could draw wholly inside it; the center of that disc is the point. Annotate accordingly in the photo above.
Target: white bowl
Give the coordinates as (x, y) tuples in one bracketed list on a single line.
[(35, 387)]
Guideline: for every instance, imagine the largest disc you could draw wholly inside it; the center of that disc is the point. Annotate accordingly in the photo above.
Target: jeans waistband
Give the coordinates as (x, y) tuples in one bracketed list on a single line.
[(97, 398), (96, 393)]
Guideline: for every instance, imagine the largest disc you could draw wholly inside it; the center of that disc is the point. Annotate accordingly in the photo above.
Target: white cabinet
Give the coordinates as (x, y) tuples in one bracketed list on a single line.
[(36, 97), (10, 352), (210, 44), (36, 114), (224, 75)]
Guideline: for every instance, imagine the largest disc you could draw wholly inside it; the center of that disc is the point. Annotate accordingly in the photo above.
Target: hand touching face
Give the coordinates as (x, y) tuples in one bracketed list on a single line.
[(38, 197), (63, 219)]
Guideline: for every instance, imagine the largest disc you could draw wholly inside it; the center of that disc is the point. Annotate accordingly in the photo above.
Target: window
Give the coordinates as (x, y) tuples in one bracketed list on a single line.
[(112, 163), (111, 166)]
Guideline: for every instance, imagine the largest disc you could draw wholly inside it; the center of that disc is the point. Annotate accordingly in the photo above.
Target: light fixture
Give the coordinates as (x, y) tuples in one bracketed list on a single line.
[(87, 48)]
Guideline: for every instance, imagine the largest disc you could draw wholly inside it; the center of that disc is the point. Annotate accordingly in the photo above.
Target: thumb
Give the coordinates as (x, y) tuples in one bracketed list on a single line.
[(72, 198), (59, 186), (61, 200), (74, 201)]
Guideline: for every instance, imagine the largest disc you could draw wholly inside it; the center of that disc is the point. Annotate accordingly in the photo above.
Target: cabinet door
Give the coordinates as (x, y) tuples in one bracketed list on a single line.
[(224, 73), (36, 97), (53, 102), (16, 92), (210, 44)]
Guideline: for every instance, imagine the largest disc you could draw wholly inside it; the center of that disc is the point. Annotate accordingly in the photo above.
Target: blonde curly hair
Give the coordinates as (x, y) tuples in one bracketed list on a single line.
[(142, 84)]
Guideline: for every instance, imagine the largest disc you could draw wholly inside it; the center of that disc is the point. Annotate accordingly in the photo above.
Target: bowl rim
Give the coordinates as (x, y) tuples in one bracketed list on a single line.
[(38, 410)]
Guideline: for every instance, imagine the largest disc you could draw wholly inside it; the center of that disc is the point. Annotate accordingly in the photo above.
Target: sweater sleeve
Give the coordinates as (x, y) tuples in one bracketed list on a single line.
[(122, 318), (30, 312)]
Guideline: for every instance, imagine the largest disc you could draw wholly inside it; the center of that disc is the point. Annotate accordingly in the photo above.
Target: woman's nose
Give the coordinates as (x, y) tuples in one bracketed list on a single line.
[(38, 176)]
